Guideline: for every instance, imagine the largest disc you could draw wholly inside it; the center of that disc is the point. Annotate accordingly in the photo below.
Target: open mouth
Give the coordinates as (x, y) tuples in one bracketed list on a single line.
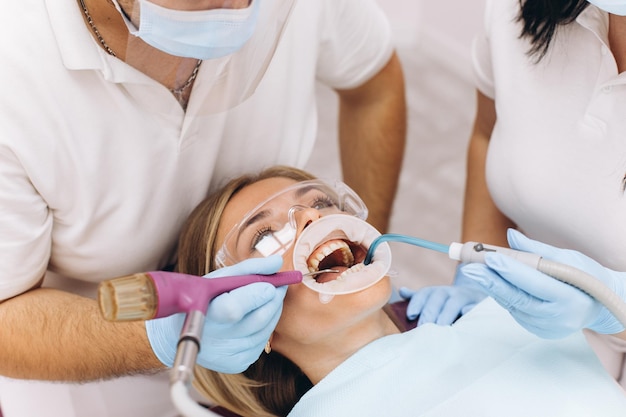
[(339, 242), (341, 255)]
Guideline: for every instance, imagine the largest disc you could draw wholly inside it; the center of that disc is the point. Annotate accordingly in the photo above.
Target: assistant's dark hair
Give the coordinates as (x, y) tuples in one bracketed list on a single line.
[(541, 19)]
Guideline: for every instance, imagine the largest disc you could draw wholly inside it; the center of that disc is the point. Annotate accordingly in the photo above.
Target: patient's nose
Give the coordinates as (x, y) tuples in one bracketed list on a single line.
[(301, 216)]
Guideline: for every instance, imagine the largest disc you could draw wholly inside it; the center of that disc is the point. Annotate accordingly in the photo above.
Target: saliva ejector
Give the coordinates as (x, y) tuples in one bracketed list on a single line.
[(474, 252)]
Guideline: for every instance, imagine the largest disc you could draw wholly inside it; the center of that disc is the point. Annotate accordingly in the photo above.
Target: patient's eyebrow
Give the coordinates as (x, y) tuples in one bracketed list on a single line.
[(304, 190), (263, 214), (256, 218)]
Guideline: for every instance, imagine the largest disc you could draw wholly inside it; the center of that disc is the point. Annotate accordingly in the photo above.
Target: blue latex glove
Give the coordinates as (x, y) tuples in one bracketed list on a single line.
[(541, 304), (442, 304), (238, 323)]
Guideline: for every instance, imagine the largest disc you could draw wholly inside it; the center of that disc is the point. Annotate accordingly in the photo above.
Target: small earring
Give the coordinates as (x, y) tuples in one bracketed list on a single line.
[(268, 347)]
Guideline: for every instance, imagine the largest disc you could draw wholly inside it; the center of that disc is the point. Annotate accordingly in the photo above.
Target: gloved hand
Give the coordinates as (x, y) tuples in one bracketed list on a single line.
[(442, 304), (543, 305), (238, 323)]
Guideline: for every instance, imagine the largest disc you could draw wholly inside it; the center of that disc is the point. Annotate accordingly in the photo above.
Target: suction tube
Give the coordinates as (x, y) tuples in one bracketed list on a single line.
[(393, 237)]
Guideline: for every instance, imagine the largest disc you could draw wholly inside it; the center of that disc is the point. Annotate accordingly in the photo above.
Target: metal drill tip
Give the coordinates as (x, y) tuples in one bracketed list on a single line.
[(323, 271)]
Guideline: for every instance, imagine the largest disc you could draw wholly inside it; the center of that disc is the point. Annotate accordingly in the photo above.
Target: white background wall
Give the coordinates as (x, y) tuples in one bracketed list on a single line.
[(433, 41)]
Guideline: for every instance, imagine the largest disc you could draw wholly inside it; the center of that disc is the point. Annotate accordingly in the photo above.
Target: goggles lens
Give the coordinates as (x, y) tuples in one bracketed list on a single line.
[(270, 228)]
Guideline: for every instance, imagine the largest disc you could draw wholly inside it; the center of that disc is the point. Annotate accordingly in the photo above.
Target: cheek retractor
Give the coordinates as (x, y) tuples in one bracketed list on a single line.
[(356, 278)]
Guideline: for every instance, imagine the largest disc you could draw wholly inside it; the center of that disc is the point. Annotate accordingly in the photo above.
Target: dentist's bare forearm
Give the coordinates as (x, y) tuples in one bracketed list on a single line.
[(482, 220), (372, 132), (48, 334)]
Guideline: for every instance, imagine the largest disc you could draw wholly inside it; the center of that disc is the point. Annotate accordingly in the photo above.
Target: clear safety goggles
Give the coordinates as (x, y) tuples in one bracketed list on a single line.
[(270, 228)]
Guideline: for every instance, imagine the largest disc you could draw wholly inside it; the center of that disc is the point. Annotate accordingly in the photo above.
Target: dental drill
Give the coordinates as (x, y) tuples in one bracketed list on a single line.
[(475, 252), (156, 294)]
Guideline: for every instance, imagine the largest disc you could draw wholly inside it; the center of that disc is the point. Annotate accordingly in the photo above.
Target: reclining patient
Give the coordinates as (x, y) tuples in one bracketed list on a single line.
[(349, 354)]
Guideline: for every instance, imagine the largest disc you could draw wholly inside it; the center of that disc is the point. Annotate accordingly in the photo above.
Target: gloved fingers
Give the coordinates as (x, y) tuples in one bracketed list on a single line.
[(234, 355), (606, 323), (406, 293), (529, 279), (163, 334), (508, 296), (544, 318), (450, 311), (541, 328), (227, 356), (264, 266), (466, 308), (554, 323), (233, 306), (223, 347), (428, 303), (459, 302), (261, 320), (441, 304), (417, 299)]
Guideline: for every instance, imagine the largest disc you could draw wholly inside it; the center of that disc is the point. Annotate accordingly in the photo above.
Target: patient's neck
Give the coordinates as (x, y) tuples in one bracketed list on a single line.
[(318, 359)]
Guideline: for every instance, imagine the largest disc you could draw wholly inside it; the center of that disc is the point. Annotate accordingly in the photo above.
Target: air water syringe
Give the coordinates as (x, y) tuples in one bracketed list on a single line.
[(474, 252)]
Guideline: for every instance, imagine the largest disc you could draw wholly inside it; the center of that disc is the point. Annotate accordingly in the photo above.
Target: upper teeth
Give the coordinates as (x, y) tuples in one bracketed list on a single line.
[(324, 251)]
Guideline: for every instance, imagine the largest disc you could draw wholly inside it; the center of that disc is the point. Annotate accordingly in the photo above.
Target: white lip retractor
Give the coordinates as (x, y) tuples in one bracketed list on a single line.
[(348, 228)]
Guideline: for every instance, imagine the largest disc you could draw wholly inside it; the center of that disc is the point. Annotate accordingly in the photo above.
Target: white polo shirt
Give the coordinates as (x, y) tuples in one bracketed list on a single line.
[(557, 157), (99, 165)]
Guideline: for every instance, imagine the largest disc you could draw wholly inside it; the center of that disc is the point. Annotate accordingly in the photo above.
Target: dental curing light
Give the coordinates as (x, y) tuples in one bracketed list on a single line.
[(475, 252)]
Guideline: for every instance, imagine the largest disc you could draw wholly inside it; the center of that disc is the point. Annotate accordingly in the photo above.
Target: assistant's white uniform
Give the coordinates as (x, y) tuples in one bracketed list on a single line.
[(99, 165), (556, 163)]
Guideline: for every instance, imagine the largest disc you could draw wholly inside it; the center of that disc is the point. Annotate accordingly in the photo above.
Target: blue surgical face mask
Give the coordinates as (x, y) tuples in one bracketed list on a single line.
[(617, 7), (204, 34)]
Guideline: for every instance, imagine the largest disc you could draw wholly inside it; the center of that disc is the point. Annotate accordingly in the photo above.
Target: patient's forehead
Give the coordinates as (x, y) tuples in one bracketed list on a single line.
[(248, 198)]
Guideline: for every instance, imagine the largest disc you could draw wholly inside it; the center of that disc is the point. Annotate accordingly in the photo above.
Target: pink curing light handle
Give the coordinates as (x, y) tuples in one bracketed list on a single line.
[(180, 293)]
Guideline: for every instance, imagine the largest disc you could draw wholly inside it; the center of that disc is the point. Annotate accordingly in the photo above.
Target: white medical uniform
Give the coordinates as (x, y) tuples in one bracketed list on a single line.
[(99, 165), (556, 162), (484, 365)]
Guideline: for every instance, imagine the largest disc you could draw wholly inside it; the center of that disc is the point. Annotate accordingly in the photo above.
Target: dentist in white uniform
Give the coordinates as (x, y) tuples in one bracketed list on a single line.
[(116, 119)]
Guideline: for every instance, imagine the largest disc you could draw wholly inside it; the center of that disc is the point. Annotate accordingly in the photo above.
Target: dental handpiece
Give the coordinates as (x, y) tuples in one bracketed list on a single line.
[(155, 294), (474, 252)]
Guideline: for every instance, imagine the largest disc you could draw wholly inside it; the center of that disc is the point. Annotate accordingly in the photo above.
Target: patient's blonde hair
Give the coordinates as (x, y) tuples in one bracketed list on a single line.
[(272, 385)]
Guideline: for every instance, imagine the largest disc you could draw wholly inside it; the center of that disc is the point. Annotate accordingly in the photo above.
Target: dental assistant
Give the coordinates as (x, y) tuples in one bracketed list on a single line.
[(546, 156), (114, 127)]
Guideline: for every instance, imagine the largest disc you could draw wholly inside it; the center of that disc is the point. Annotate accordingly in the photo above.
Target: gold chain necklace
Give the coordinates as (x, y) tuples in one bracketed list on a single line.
[(176, 91)]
